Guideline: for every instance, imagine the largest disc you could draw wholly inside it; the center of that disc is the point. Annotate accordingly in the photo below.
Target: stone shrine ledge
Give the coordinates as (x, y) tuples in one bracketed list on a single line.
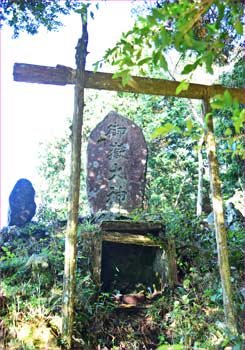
[(130, 232), (148, 234)]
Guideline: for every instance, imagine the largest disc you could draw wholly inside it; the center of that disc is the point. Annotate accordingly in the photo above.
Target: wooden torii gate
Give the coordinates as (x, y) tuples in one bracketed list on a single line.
[(82, 79)]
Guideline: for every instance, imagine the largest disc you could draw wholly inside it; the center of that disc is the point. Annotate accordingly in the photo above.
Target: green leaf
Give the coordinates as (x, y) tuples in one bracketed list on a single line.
[(189, 124), (228, 132), (171, 347), (235, 103), (209, 61), (221, 7), (166, 38), (157, 40), (145, 31), (207, 117), (238, 120), (211, 28), (185, 299), (97, 65), (183, 86), (143, 61), (127, 46), (190, 67), (156, 57), (125, 75), (162, 62), (239, 27), (188, 39), (227, 151), (178, 40), (227, 99), (151, 20), (218, 102), (217, 105), (139, 53), (128, 61), (157, 13), (164, 130), (187, 69)]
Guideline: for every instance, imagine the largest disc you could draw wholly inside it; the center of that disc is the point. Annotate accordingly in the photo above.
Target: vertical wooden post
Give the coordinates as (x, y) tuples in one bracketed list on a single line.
[(199, 205), (97, 259), (71, 233), (220, 229), (171, 263)]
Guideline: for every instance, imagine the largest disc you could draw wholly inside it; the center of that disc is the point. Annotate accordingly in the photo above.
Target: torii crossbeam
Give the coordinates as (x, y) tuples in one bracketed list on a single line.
[(62, 75)]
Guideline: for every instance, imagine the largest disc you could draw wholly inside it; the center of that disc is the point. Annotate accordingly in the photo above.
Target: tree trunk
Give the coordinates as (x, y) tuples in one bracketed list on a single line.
[(200, 178), (71, 233), (220, 229), (200, 120)]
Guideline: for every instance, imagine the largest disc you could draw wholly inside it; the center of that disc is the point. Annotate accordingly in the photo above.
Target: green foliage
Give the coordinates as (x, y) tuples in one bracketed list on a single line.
[(235, 77), (30, 15), (32, 261), (191, 315), (231, 106), (205, 32), (229, 132), (183, 86), (165, 130), (31, 284), (197, 269), (54, 171), (171, 347)]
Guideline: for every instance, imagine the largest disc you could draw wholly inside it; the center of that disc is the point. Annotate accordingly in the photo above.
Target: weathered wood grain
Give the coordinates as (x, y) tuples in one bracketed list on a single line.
[(61, 75), (31, 73)]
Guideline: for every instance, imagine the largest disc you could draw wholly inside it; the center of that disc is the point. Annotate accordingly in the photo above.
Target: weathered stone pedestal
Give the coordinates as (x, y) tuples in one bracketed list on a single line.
[(127, 254)]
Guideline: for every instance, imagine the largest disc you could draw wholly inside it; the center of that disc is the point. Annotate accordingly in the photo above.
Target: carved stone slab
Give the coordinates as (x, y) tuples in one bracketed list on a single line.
[(116, 165)]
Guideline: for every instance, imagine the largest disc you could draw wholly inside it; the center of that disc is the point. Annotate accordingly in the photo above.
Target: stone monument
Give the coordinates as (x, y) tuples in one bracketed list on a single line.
[(116, 165), (22, 207), (124, 253)]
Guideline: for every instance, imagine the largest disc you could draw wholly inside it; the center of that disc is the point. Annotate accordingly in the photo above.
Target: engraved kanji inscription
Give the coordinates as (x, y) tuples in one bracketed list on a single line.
[(116, 165), (117, 150), (115, 130)]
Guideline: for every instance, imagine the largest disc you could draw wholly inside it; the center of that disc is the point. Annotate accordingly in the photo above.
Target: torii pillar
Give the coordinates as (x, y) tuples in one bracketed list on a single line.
[(69, 282)]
